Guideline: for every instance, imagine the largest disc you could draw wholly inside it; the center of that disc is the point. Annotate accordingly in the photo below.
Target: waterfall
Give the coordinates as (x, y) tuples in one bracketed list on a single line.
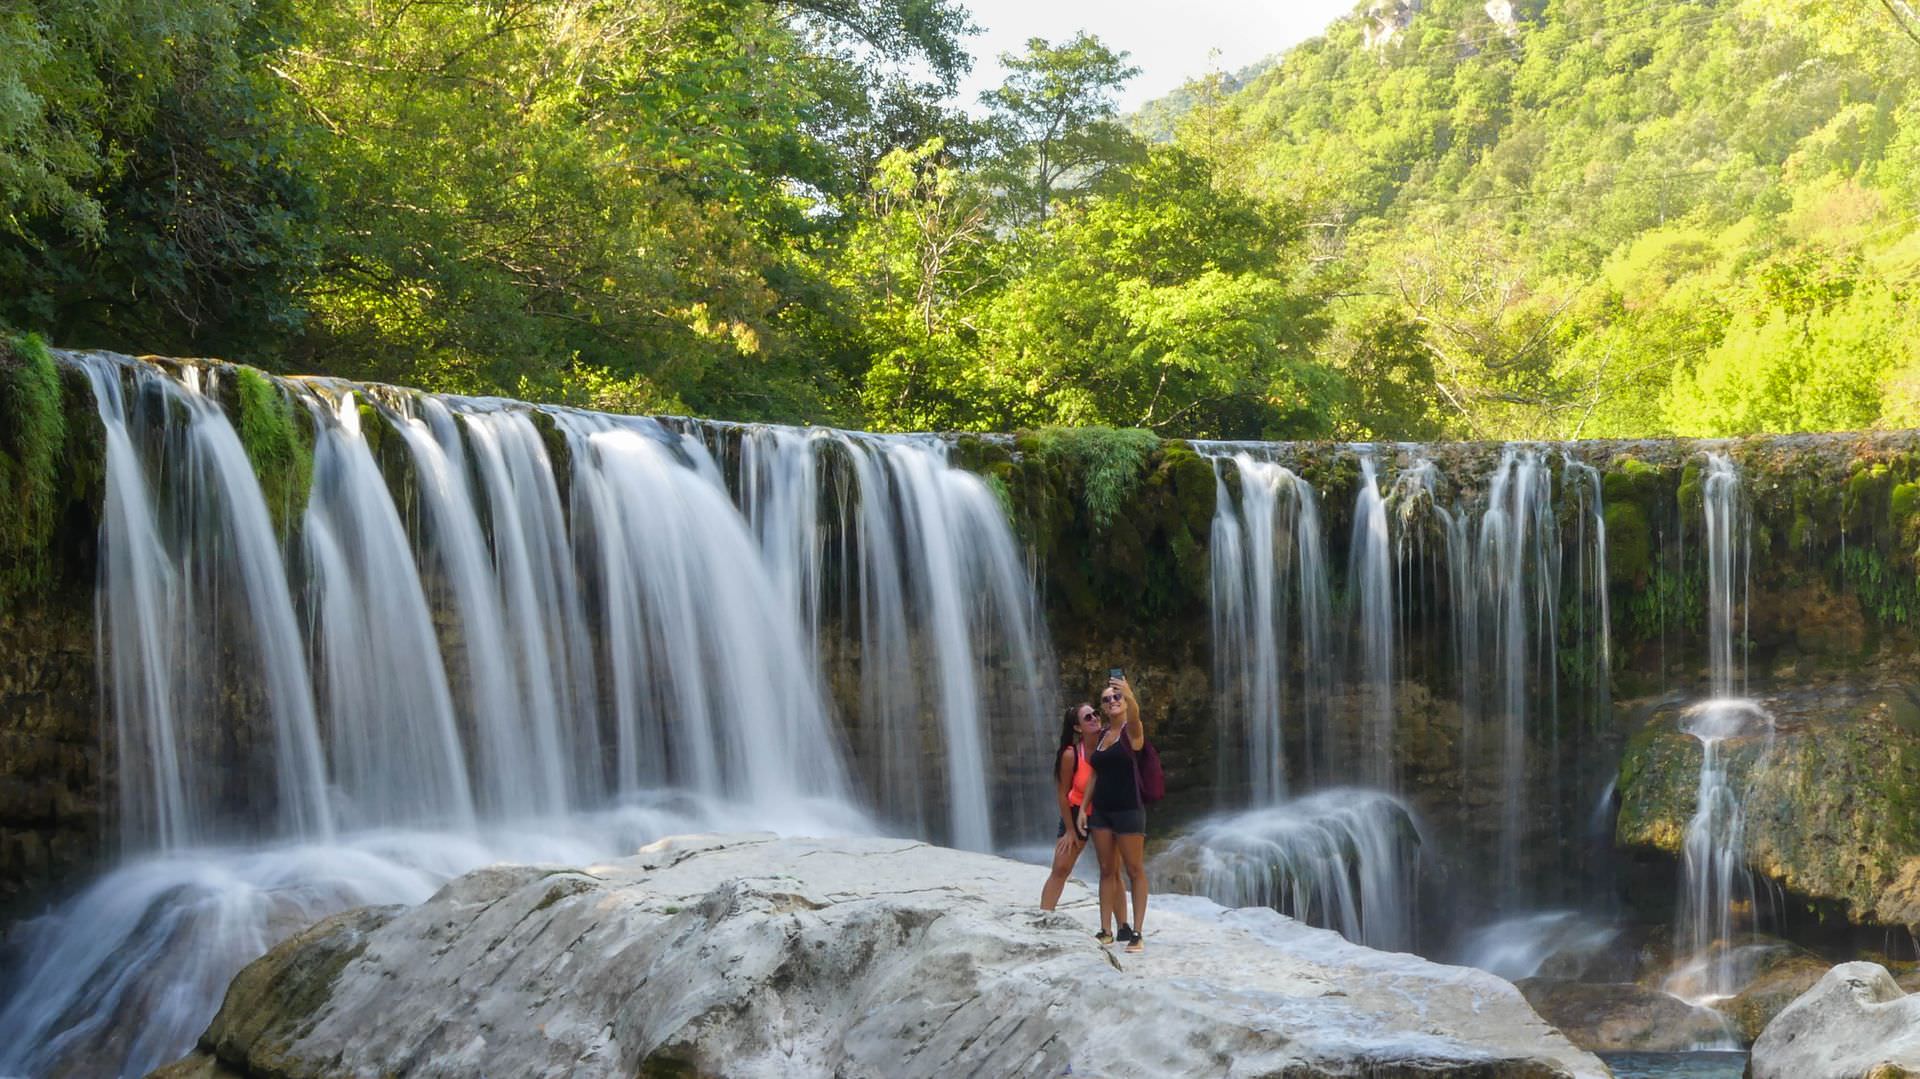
[(185, 525), (397, 752), (1370, 602), (936, 605), (1518, 576), (485, 642), (1727, 554), (1480, 561), (1269, 577), (1716, 883), (712, 688), (1341, 859)]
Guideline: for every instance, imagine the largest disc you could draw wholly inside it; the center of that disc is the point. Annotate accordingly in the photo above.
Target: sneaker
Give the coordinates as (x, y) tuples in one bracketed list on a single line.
[(1126, 935), (1105, 938), (1137, 945)]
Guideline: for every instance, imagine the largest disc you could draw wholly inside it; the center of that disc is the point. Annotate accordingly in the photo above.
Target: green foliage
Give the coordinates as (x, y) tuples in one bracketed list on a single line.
[(1888, 594), (1671, 602), (1164, 304), (1053, 121), (1598, 217), (1108, 464), (1606, 217), (31, 446), (275, 444), (151, 203)]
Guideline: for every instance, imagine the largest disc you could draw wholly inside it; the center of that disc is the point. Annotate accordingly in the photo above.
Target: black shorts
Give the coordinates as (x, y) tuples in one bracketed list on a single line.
[(1120, 821)]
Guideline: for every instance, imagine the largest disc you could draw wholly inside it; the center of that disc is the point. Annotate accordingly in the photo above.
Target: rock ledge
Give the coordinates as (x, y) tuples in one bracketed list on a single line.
[(755, 956)]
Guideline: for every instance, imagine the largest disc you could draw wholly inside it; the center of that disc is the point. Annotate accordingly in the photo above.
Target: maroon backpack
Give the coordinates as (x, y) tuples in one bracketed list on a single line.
[(1146, 766)]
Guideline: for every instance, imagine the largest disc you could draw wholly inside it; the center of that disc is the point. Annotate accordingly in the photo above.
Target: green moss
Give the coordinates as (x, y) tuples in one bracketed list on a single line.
[(1906, 499), (276, 444), (1629, 543), (32, 441), (1106, 465), (1630, 479), (1000, 493), (1867, 495), (1888, 594), (1688, 495)]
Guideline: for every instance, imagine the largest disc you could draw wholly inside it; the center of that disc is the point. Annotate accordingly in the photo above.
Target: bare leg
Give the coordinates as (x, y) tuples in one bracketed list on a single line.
[(1065, 853), (1110, 897), (1133, 856)]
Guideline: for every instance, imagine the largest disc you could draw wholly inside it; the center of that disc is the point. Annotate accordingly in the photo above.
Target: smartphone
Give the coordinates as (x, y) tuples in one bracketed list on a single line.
[(1115, 672)]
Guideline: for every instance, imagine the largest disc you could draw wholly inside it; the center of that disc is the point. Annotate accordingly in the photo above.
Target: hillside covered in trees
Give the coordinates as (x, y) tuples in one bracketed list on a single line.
[(1545, 218)]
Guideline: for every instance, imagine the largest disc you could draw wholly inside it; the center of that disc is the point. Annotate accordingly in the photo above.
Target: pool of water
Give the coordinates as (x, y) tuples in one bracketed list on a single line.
[(1715, 1064)]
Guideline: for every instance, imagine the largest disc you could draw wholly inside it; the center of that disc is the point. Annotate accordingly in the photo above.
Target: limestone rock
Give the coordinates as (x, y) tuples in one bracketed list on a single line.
[(1779, 978), (1831, 809), (1608, 1017), (1854, 1022), (754, 956)]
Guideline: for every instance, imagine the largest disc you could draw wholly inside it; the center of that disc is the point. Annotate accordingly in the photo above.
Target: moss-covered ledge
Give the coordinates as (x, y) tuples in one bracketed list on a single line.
[(1832, 798)]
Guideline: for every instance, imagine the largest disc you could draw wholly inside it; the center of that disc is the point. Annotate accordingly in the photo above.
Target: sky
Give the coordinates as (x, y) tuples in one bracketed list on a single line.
[(1170, 43)]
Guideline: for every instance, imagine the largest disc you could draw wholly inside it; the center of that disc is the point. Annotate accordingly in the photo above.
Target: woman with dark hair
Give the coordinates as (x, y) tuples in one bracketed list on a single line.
[(1071, 773), (1118, 817)]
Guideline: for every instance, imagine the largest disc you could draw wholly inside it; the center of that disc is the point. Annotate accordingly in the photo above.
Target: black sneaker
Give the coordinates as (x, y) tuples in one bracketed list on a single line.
[(1126, 934)]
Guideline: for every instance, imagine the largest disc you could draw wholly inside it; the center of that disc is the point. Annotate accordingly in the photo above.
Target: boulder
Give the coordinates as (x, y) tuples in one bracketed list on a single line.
[(1780, 976), (756, 956), (1854, 1022), (1832, 809), (1619, 1017)]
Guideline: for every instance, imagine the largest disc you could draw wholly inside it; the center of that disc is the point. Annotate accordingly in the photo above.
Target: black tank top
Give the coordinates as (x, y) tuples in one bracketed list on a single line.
[(1116, 785)]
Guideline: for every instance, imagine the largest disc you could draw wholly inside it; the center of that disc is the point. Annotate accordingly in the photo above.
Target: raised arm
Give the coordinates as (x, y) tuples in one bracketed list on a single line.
[(1136, 729)]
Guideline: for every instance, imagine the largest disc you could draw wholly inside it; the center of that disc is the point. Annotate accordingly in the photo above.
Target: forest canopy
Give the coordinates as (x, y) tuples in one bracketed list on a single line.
[(1537, 219)]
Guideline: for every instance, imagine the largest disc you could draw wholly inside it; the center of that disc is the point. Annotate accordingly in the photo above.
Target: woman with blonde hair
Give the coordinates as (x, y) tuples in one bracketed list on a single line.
[(1117, 815)]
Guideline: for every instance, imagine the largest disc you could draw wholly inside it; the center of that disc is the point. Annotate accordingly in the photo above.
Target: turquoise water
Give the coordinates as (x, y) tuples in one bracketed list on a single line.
[(1699, 1065)]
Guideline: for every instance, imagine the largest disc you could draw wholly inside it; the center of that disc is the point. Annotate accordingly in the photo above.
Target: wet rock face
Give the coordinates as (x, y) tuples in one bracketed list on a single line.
[(50, 753), (755, 956), (1854, 1022), (1832, 812)]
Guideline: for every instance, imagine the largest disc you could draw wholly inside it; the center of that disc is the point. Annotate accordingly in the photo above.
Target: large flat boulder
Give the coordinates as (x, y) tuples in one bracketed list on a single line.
[(1855, 1023), (756, 956)]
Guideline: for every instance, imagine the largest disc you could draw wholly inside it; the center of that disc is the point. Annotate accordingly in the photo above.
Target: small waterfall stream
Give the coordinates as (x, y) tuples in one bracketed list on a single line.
[(1717, 887)]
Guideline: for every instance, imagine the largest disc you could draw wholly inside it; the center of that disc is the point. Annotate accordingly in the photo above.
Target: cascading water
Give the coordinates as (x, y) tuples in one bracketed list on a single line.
[(163, 578), (1517, 566), (396, 750), (1482, 557), (499, 661), (1717, 887), (711, 687), (1269, 579), (1370, 602), (1343, 859), (935, 603)]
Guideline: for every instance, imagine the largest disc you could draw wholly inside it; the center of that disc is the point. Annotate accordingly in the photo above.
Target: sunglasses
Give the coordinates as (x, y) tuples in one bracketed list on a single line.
[(1111, 698), (1089, 715)]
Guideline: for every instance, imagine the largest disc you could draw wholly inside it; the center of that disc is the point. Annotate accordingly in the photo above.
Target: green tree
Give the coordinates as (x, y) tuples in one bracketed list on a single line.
[(150, 203), (1163, 304), (1054, 121), (919, 263)]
